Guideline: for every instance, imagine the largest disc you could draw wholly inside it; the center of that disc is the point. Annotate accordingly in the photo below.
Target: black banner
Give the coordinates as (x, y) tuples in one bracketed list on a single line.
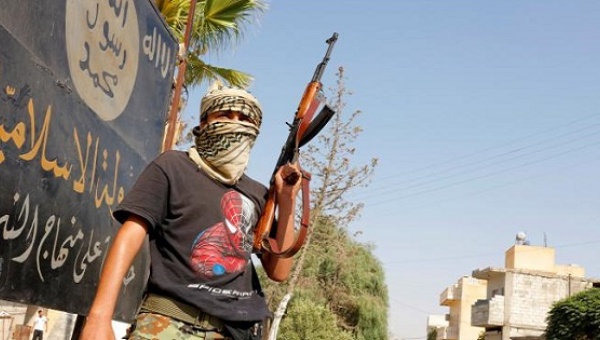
[(84, 93)]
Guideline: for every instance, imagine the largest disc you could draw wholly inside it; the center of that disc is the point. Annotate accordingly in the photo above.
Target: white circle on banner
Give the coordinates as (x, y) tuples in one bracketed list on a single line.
[(102, 42)]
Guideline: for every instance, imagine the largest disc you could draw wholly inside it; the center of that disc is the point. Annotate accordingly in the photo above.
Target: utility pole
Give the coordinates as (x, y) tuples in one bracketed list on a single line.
[(172, 118)]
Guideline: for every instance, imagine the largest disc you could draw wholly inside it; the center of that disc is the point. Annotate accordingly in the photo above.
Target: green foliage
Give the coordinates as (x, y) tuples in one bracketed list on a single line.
[(432, 334), (342, 284), (309, 320), (218, 24), (576, 317), (175, 14), (198, 70)]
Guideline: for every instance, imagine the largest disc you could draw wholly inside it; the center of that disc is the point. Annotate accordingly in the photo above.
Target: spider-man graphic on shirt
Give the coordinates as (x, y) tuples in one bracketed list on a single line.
[(225, 247)]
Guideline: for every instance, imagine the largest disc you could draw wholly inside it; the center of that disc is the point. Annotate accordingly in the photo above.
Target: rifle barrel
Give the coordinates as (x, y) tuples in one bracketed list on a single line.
[(321, 67)]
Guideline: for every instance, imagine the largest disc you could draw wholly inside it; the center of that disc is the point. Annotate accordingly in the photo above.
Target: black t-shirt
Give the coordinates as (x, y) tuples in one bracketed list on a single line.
[(200, 236)]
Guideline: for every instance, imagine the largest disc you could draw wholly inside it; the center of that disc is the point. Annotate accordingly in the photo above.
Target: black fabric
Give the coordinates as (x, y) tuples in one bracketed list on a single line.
[(245, 330), (200, 236)]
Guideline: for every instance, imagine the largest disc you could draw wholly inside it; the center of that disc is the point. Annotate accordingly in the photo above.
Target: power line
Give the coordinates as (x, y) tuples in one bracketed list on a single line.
[(394, 188), (410, 306), (493, 173), (440, 259), (455, 159), (518, 151)]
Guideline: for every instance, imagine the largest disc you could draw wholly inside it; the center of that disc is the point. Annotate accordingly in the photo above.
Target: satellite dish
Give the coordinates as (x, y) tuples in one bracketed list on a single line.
[(521, 238)]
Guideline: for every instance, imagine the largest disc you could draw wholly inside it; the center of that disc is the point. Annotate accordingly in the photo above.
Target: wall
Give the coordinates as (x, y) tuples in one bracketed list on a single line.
[(472, 290), (530, 257)]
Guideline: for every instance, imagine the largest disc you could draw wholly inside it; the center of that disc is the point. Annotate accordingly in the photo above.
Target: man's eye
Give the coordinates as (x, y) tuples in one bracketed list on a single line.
[(219, 115)]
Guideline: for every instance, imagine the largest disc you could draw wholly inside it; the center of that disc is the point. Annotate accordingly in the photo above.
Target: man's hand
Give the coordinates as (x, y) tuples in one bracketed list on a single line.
[(288, 180)]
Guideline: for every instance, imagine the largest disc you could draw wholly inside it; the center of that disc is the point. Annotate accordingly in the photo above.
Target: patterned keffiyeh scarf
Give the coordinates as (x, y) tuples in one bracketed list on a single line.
[(222, 149)]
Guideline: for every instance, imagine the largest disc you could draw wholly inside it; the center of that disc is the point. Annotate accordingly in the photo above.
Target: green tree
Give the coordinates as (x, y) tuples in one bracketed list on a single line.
[(304, 315), (576, 317), (333, 270), (218, 24), (432, 334)]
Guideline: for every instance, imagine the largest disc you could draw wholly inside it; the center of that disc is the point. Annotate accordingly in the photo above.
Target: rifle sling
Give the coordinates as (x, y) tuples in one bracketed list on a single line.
[(269, 243)]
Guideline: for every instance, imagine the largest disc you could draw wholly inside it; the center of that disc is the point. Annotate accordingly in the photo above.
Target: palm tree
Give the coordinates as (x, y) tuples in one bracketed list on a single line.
[(218, 24)]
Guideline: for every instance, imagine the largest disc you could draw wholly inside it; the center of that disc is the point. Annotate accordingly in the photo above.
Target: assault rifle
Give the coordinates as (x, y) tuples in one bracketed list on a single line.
[(304, 127)]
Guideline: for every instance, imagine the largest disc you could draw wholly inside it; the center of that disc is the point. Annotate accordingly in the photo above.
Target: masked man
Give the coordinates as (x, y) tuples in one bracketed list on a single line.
[(199, 210)]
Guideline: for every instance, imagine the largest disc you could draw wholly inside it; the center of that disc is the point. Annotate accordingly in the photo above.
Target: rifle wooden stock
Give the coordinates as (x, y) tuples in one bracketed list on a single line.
[(308, 106), (265, 222), (301, 125)]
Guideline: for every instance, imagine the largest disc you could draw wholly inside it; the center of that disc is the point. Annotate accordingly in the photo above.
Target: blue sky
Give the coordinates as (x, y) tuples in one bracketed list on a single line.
[(485, 116)]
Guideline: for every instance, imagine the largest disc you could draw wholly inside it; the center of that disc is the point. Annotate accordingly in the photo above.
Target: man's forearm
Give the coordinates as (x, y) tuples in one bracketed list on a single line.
[(125, 247), (277, 268)]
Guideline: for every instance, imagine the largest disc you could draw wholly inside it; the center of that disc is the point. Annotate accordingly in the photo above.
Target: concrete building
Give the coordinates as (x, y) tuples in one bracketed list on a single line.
[(520, 295), (435, 322), (16, 321), (459, 298)]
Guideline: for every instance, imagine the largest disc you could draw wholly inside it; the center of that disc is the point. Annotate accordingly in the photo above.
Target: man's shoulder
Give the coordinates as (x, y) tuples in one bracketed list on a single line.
[(252, 185), (170, 155), (173, 159)]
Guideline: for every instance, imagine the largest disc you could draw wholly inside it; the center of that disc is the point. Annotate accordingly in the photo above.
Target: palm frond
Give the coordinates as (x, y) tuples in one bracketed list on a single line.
[(175, 13), (198, 71), (220, 23)]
